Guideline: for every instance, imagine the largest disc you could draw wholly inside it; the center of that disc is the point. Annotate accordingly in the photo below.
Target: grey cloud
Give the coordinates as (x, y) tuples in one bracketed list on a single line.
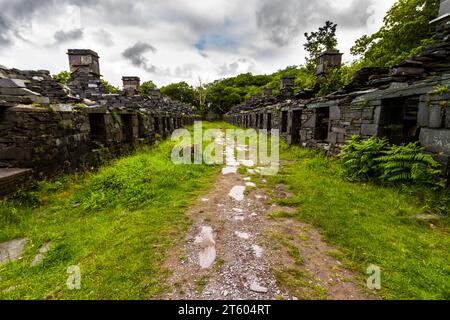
[(135, 54), (5, 37), (65, 36), (21, 9), (284, 20), (104, 37), (228, 69)]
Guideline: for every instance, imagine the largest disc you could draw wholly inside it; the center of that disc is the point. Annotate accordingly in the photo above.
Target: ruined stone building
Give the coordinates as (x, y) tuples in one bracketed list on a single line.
[(405, 104), (47, 128)]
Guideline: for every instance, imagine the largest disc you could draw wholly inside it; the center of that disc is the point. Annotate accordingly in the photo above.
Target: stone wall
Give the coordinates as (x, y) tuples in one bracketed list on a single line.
[(47, 128), (408, 103)]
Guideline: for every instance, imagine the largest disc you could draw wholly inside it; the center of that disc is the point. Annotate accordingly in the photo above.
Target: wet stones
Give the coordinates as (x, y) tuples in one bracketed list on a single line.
[(39, 258), (256, 287), (237, 193), (207, 245), (12, 250)]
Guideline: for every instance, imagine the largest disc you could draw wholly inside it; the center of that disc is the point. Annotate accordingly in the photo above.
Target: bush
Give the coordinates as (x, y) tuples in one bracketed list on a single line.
[(358, 158), (408, 164), (375, 160)]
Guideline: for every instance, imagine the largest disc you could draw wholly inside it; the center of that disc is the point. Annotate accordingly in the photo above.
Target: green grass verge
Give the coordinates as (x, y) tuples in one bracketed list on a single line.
[(371, 224), (115, 224)]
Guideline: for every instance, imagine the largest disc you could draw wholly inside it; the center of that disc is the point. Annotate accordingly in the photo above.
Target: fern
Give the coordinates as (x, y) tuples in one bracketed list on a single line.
[(408, 164), (358, 158), (375, 160)]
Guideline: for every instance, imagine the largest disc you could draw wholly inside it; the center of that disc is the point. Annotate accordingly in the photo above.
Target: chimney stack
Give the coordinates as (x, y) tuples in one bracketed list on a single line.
[(267, 92), (84, 60), (287, 86), (327, 61), (131, 85)]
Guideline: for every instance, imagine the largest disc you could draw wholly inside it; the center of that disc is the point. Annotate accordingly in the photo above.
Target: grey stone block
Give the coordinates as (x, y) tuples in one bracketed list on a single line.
[(335, 113), (435, 140), (311, 122), (369, 129), (435, 116), (367, 113), (447, 117), (423, 115), (377, 114)]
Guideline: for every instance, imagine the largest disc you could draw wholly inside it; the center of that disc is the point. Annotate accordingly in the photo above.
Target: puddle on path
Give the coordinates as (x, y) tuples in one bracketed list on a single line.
[(207, 254)]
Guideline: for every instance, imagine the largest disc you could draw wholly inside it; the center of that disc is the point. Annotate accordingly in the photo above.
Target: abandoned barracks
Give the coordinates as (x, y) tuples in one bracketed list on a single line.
[(46, 127), (407, 103)]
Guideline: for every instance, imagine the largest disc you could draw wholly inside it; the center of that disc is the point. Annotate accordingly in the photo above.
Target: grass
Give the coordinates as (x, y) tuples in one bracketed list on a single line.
[(371, 224), (116, 224)]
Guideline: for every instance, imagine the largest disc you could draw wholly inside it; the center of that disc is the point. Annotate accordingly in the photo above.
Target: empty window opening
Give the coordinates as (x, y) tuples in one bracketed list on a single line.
[(97, 126), (269, 122), (284, 121), (127, 127), (296, 126), (156, 124), (322, 124), (399, 120), (142, 131)]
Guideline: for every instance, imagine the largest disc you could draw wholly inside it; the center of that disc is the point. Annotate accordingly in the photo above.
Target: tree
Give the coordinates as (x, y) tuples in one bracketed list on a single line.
[(147, 87), (182, 92), (405, 32), (317, 42), (63, 77), (202, 92)]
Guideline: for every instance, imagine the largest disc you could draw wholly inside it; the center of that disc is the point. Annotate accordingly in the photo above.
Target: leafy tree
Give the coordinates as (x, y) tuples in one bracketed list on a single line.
[(147, 87), (112, 89), (182, 92), (63, 77), (405, 32), (319, 41)]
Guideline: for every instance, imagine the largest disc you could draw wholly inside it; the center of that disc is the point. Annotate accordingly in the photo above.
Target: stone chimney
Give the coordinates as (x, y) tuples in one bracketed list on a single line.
[(327, 61), (131, 85), (287, 86), (267, 92), (84, 60), (155, 94)]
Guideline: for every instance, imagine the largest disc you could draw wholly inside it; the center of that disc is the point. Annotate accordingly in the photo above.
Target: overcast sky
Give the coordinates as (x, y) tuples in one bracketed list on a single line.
[(177, 40)]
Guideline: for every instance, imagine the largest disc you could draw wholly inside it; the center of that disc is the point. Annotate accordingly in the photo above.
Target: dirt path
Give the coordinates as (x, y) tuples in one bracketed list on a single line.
[(235, 251)]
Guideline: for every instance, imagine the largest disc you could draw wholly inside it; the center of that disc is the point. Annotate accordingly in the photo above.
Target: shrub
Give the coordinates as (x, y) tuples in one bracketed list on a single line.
[(375, 160), (408, 164), (358, 158)]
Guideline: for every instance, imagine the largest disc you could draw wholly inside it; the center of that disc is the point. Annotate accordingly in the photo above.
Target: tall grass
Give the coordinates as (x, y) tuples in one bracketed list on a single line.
[(116, 224)]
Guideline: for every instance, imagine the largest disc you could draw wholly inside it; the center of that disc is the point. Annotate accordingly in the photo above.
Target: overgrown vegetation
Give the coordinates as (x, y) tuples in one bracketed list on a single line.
[(115, 224), (111, 89), (406, 31), (376, 161), (371, 224), (147, 87), (63, 77)]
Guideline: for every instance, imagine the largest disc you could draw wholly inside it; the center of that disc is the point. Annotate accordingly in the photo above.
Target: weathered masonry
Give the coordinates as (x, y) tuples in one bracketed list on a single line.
[(407, 103), (46, 128)]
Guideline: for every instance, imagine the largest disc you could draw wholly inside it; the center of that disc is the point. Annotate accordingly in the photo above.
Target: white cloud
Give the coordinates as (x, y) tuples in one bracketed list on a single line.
[(202, 38)]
